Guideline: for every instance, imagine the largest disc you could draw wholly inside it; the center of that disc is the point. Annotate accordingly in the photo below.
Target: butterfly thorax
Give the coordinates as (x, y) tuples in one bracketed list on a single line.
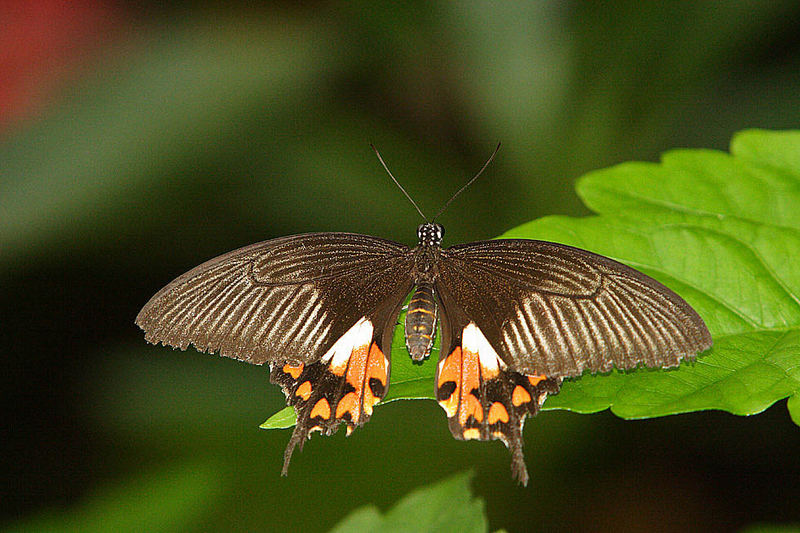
[(427, 251), (422, 313)]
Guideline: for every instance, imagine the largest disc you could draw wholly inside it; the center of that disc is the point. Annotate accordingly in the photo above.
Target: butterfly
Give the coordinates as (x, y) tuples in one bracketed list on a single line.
[(515, 316)]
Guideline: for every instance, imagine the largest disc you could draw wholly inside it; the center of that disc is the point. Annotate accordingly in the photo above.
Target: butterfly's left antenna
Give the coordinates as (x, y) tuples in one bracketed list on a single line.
[(397, 182)]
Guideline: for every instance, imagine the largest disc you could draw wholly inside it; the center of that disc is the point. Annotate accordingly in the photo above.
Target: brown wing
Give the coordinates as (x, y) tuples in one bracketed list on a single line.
[(519, 316), (554, 310), (285, 299)]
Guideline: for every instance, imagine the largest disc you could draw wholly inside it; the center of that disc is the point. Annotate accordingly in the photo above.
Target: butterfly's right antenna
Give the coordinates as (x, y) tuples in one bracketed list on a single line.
[(470, 182), (397, 182)]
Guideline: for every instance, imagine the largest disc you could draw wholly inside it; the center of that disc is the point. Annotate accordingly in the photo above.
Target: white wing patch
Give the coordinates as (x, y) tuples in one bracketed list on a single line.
[(473, 340), (339, 354)]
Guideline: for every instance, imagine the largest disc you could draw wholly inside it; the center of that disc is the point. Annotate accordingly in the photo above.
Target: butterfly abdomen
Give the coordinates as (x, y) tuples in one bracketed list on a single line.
[(421, 322)]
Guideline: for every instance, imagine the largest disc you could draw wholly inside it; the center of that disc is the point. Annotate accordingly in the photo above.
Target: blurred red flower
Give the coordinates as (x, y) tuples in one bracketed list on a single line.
[(41, 44)]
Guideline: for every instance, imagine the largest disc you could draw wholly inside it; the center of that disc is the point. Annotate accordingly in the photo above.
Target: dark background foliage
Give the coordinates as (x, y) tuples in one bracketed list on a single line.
[(138, 140)]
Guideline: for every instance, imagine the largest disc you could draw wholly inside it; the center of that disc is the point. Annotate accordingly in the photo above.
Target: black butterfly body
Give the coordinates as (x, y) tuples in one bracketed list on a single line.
[(516, 317)]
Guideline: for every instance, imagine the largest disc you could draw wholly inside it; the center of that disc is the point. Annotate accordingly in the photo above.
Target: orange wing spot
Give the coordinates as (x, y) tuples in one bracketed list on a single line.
[(376, 368), (470, 372), (451, 371), (376, 364), (470, 379), (489, 372), (349, 403), (321, 409), (304, 390), (535, 380), (339, 370), (498, 412), (357, 357), (472, 434), (451, 368), (450, 405), (293, 371), (520, 396), (357, 367), (470, 406)]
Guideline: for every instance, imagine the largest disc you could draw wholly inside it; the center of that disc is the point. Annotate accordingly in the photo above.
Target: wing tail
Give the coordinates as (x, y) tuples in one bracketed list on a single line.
[(342, 388), (483, 398)]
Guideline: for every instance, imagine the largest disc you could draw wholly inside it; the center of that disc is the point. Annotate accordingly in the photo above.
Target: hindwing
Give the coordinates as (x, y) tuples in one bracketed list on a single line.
[(486, 400), (342, 387)]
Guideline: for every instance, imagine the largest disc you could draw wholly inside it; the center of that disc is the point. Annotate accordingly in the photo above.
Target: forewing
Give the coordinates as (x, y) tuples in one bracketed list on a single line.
[(289, 298), (551, 309)]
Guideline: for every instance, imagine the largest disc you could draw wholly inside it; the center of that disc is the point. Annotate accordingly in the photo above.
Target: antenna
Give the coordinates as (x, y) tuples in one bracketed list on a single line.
[(398, 183), (459, 191), (468, 183)]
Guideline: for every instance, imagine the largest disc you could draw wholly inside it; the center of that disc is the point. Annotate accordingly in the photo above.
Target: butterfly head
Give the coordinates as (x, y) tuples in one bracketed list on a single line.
[(430, 234)]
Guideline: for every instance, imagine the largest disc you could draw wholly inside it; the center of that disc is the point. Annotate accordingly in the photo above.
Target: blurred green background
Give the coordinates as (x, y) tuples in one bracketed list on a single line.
[(138, 140)]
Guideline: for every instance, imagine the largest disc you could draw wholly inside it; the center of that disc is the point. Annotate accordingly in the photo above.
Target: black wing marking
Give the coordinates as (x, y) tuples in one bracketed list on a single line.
[(551, 309), (344, 388), (289, 298), (483, 398)]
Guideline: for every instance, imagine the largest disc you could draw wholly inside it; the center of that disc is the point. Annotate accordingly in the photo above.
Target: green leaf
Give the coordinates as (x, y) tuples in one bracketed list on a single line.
[(444, 506), (283, 419), (721, 230), (794, 408)]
